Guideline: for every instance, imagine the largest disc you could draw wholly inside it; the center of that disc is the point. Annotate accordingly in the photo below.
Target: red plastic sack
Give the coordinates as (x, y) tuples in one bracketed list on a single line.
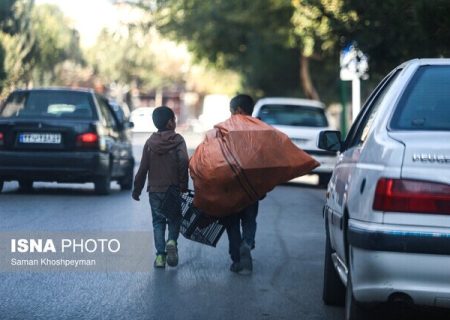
[(241, 160)]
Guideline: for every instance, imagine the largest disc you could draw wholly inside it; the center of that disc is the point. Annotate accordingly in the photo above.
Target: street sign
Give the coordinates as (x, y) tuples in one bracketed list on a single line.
[(354, 67), (354, 63)]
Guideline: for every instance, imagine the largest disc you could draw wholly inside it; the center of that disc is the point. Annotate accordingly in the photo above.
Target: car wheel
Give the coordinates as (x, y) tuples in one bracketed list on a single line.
[(25, 185), (1, 185), (126, 182), (103, 185), (353, 309), (333, 288), (324, 178)]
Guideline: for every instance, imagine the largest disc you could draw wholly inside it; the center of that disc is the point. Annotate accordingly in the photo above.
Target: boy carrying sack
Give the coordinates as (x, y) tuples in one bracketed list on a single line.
[(165, 162)]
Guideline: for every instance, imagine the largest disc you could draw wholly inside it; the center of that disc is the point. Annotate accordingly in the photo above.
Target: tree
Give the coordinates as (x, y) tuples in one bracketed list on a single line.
[(248, 37), (17, 41), (393, 31), (56, 42), (317, 24), (267, 41), (35, 39)]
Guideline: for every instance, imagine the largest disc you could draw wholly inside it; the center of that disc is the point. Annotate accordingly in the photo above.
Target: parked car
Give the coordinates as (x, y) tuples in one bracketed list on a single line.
[(302, 120), (142, 120), (387, 211), (63, 135)]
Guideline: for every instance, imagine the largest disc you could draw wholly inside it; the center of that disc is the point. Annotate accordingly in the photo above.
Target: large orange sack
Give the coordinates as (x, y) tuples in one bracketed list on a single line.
[(239, 161)]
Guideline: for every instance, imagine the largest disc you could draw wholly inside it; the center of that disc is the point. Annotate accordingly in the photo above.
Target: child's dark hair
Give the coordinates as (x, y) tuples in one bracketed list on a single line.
[(161, 117), (244, 101)]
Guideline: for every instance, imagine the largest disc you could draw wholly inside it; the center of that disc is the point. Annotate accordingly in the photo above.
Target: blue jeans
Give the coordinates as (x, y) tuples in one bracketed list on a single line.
[(232, 223), (160, 222)]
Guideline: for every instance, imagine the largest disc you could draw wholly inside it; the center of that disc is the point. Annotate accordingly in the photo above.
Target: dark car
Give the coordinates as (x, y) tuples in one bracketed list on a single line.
[(64, 135)]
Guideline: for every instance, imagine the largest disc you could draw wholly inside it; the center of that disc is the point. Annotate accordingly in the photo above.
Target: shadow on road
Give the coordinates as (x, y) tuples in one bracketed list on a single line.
[(405, 312)]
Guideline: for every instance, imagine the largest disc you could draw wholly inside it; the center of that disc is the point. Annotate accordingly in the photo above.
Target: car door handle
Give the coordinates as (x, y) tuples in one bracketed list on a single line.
[(363, 186)]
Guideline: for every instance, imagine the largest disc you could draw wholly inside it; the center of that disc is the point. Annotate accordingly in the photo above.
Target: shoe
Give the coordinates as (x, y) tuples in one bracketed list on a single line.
[(160, 261), (246, 259), (172, 253), (235, 267)]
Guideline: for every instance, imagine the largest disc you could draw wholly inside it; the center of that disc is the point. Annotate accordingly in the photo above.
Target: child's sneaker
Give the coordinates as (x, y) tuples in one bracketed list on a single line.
[(160, 261), (235, 267), (172, 253), (246, 259)]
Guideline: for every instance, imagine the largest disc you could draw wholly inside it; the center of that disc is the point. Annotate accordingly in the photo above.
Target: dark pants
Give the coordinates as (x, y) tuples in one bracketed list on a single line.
[(232, 223)]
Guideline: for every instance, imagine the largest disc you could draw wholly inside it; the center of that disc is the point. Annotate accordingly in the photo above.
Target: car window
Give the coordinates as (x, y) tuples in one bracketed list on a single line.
[(106, 112), (363, 123), (293, 115), (426, 102), (48, 104)]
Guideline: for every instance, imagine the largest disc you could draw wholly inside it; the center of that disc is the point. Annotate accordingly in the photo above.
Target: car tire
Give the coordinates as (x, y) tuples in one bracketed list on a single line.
[(353, 309), (333, 288), (1, 185), (126, 182), (103, 185), (25, 185), (324, 178)]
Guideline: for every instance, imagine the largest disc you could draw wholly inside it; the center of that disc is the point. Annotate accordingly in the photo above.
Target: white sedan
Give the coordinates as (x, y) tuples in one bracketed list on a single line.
[(142, 119), (387, 212)]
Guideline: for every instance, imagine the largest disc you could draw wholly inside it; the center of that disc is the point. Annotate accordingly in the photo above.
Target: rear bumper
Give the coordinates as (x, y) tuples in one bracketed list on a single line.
[(397, 259), (53, 166)]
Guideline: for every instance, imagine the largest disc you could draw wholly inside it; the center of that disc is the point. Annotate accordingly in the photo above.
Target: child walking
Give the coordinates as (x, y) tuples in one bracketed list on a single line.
[(165, 163)]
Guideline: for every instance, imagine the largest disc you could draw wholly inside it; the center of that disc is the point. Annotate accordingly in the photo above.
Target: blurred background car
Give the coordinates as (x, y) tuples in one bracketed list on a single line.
[(215, 109), (121, 110), (302, 120), (387, 213), (64, 135), (142, 120)]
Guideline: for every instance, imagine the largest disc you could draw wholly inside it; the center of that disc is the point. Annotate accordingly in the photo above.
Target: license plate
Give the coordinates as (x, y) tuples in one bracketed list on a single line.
[(46, 138)]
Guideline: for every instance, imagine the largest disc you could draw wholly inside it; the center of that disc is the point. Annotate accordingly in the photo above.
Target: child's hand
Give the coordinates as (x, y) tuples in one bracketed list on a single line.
[(135, 196)]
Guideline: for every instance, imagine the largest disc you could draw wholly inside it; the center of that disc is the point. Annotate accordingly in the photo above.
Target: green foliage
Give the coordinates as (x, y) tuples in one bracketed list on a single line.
[(34, 40), (8, 23), (55, 41), (317, 24), (18, 43), (259, 39), (130, 57), (393, 31), (248, 36)]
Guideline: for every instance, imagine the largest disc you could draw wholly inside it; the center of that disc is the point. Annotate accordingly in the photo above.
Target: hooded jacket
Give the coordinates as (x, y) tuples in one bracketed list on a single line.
[(165, 161)]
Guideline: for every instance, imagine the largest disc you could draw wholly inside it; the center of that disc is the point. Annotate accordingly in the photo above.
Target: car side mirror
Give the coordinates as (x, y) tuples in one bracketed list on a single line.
[(330, 140)]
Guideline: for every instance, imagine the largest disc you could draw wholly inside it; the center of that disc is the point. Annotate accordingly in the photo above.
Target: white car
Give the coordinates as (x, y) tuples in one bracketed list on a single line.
[(142, 120), (302, 120), (387, 212)]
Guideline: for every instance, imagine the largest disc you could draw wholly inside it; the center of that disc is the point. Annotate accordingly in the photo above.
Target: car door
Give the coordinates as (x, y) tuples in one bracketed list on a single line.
[(112, 135), (347, 175), (124, 139)]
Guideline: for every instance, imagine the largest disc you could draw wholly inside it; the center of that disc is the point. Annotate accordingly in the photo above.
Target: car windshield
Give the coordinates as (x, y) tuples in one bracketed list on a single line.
[(426, 102), (293, 115), (48, 104)]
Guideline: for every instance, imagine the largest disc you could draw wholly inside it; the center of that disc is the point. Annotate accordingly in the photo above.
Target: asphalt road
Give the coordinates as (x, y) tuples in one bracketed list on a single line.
[(286, 283)]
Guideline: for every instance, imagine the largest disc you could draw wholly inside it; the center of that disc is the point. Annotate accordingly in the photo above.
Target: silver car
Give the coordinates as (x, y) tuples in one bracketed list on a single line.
[(387, 212)]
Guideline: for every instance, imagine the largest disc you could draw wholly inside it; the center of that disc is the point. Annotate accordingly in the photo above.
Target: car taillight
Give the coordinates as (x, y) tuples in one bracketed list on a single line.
[(1, 138), (88, 140), (402, 195)]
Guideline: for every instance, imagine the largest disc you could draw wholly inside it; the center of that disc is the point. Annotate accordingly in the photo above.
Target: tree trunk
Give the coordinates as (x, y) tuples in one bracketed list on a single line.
[(305, 78)]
